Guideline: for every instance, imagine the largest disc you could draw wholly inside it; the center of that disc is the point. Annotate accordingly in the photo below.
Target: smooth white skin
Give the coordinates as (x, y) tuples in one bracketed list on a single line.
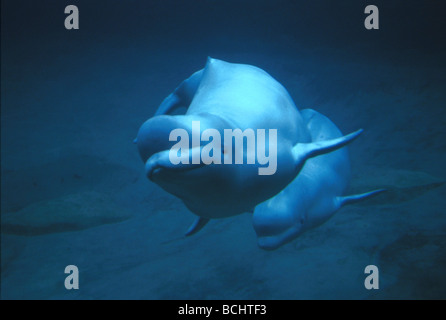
[(310, 199), (229, 96)]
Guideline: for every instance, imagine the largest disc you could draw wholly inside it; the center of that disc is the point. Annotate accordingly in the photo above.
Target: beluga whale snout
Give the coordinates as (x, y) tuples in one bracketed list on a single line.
[(255, 152)]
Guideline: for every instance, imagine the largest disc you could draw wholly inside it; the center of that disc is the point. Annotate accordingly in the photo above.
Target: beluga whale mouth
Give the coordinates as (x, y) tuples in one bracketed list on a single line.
[(294, 183), (160, 162), (274, 241)]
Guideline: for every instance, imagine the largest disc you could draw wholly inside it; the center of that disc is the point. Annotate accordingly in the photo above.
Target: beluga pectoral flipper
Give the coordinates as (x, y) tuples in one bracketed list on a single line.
[(304, 151), (182, 96)]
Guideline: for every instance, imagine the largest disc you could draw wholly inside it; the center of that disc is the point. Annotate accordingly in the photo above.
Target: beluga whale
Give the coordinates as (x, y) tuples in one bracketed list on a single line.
[(230, 140), (313, 196)]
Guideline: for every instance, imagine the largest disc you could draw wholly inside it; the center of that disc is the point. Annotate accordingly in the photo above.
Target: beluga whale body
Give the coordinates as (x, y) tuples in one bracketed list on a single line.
[(240, 146)]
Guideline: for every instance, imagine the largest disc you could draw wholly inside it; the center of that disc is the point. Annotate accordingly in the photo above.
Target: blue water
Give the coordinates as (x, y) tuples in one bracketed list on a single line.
[(73, 189)]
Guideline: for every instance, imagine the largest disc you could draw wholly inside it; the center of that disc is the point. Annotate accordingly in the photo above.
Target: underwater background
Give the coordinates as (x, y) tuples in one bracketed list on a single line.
[(73, 188)]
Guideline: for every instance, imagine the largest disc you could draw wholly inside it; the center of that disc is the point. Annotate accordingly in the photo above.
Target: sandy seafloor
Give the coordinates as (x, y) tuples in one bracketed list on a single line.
[(74, 190)]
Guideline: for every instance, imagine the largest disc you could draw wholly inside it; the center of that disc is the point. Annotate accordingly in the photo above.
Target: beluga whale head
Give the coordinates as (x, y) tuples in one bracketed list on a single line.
[(276, 224), (216, 170)]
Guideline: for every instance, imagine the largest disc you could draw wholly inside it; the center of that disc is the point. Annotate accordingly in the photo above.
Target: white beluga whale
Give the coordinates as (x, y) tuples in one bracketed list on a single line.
[(227, 106)]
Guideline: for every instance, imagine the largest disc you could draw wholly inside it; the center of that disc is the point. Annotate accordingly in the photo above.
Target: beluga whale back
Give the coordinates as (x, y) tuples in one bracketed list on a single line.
[(241, 143)]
